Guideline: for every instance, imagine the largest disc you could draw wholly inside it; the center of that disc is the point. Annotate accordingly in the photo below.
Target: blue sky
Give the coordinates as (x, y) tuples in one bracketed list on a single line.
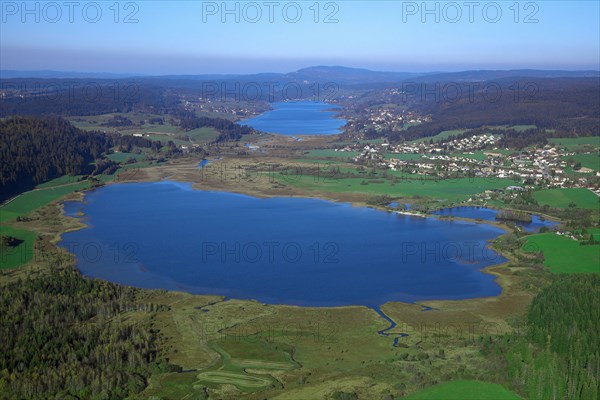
[(189, 37)]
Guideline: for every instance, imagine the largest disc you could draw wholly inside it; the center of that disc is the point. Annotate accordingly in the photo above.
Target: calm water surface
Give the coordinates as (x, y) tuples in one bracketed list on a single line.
[(298, 118), (279, 250), (488, 214)]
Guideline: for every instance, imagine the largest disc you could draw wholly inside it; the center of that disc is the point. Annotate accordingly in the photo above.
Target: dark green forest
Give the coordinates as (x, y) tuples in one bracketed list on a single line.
[(557, 354), (64, 97), (64, 337), (568, 106), (229, 131), (34, 150)]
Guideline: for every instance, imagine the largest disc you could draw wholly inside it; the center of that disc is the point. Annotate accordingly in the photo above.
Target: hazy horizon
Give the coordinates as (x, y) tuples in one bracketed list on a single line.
[(137, 74), (199, 37)]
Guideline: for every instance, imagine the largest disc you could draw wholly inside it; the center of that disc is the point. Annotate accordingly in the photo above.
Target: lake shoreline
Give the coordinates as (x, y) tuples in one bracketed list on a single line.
[(494, 310), (491, 269)]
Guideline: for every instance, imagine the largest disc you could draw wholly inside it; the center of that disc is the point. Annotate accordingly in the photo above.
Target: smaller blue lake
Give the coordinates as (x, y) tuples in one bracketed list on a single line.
[(298, 118), (489, 214)]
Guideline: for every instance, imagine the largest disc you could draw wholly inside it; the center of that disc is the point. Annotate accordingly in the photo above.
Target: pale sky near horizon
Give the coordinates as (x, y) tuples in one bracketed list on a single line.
[(194, 37)]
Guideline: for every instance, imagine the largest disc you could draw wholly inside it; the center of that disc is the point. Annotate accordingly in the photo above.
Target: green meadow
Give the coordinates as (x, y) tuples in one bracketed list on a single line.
[(455, 132), (19, 255), (564, 255), (122, 157), (522, 128), (440, 136), (23, 205), (459, 189), (363, 141), (404, 156), (590, 160), (330, 153), (157, 132), (562, 197), (202, 135), (96, 123), (63, 180), (29, 201), (576, 143), (464, 390)]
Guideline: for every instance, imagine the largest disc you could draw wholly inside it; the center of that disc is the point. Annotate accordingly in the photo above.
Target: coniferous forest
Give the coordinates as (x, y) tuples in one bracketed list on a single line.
[(34, 150), (557, 355), (63, 337)]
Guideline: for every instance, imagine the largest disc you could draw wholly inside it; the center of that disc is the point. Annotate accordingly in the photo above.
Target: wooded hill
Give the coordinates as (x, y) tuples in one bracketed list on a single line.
[(34, 150), (571, 107), (557, 355), (63, 338)]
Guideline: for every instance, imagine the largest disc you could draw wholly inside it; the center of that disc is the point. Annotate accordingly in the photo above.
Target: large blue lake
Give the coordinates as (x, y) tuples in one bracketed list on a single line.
[(280, 250), (298, 118)]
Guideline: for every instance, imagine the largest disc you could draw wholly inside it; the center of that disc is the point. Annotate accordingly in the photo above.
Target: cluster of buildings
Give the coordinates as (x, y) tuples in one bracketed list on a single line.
[(472, 143), (468, 158), (383, 118)]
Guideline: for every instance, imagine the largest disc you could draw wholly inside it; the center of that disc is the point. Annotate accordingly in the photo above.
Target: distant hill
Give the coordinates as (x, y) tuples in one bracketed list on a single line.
[(345, 75), (339, 74), (488, 75), (160, 94), (357, 76)]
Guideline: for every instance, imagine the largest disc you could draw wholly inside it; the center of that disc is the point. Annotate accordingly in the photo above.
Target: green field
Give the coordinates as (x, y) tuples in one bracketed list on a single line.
[(122, 157), (576, 143), (521, 128), (95, 122), (564, 255), (137, 165), (22, 254), (464, 390), (202, 135), (318, 161), (591, 160), (403, 156), (440, 136), (63, 180), (562, 197), (164, 139), (330, 153), (156, 132), (31, 200), (240, 380), (363, 141), (454, 189)]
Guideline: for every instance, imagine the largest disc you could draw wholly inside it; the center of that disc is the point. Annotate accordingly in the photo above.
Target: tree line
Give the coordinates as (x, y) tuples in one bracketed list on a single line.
[(228, 131), (66, 97), (64, 337), (34, 150), (557, 355), (571, 107)]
